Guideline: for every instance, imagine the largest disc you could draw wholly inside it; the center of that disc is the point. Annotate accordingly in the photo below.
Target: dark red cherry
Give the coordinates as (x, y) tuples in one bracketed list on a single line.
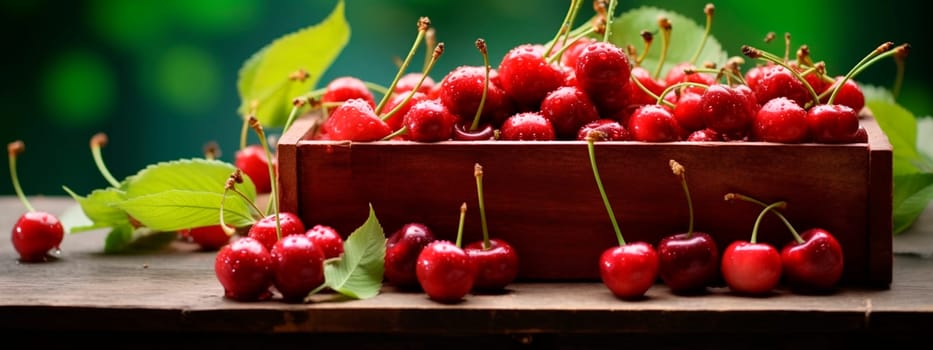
[(780, 120), (602, 65), (244, 269), (402, 249), (833, 123), (445, 272), (327, 239), (813, 264), (850, 94), (568, 108), (429, 121), (726, 109), (688, 111), (35, 234), (654, 123), (611, 129), (527, 126), (496, 266), (298, 267)]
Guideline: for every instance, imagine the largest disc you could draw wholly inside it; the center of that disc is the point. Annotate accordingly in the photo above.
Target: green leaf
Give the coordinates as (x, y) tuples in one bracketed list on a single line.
[(263, 78), (196, 175), (900, 126), (125, 239), (685, 38), (359, 271), (912, 194), (172, 210), (118, 239), (99, 209)]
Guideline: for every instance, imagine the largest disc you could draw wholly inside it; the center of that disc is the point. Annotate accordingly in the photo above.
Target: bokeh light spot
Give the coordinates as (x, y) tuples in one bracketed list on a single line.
[(78, 88), (187, 79)]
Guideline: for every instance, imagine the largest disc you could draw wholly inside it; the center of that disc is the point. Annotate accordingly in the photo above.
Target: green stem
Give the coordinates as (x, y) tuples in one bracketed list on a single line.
[(880, 53), (481, 45), (610, 15), (478, 173), (650, 94), (682, 173), (660, 98), (602, 191), (437, 53), (708, 10), (564, 28), (767, 56), (395, 133), (296, 106), (779, 215), (560, 53), (665, 45), (761, 215), (463, 209), (423, 25), (13, 149), (96, 142), (254, 123)]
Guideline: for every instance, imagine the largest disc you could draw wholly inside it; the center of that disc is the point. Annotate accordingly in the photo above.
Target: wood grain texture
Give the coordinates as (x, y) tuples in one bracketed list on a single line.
[(541, 197)]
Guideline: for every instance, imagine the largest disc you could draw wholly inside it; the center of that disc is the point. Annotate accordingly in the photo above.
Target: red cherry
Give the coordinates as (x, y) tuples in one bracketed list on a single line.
[(244, 269), (850, 94), (298, 267), (429, 121), (612, 129), (638, 96), (445, 272), (705, 135), (751, 268), (654, 123), (327, 239), (780, 120), (35, 234), (688, 111), (527, 126), (496, 266), (568, 108), (629, 270), (600, 65), (484, 132), (253, 162), (814, 263), (727, 109), (569, 57), (264, 229), (527, 77), (777, 81), (409, 81), (834, 123), (346, 88), (355, 120), (210, 237), (678, 74), (395, 120), (402, 249), (462, 90)]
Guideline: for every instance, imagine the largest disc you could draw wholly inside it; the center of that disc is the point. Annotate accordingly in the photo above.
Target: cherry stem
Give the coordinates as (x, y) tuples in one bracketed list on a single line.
[(481, 46), (478, 173), (590, 140), (660, 98), (257, 127), (641, 86), (787, 223), (297, 103), (230, 185), (97, 141), (761, 215), (729, 74), (423, 24), (767, 56), (899, 60), (610, 16), (576, 37), (430, 40), (708, 10), (438, 51), (400, 131), (463, 209), (666, 27), (564, 27), (13, 149), (211, 150), (883, 51), (786, 47), (647, 38), (680, 171)]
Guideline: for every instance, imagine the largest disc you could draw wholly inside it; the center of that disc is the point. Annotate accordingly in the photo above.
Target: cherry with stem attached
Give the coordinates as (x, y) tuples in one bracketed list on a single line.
[(495, 259), (445, 272), (689, 261), (752, 267), (36, 232), (813, 262), (629, 269)]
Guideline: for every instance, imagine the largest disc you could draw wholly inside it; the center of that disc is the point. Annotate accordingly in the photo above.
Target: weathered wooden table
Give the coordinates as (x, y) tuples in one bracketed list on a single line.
[(171, 298)]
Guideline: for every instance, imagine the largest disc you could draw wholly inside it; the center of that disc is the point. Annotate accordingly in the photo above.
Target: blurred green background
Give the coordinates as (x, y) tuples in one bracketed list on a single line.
[(159, 76)]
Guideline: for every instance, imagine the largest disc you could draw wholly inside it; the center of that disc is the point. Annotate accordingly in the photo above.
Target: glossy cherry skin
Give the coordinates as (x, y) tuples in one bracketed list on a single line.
[(612, 130), (688, 262), (850, 94), (327, 239), (429, 121), (601, 65), (654, 123), (637, 96), (569, 57), (409, 81), (780, 120), (527, 77), (402, 249), (751, 268), (395, 120), (345, 88), (726, 109), (483, 132), (35, 234), (462, 90), (832, 123), (264, 229), (298, 267), (629, 270), (445, 272), (210, 237), (777, 81), (244, 269), (705, 135), (355, 120), (568, 108), (496, 267), (816, 264), (527, 126), (688, 113), (253, 162), (678, 74)]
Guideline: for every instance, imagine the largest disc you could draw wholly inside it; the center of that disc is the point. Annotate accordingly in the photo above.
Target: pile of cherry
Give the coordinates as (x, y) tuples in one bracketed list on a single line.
[(559, 92)]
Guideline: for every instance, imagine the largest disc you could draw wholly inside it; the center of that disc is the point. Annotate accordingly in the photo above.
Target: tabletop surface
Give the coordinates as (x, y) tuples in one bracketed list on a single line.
[(175, 290)]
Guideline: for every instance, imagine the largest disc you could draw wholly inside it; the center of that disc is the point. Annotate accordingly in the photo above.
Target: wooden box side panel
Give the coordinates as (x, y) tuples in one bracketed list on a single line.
[(542, 197), (881, 202)]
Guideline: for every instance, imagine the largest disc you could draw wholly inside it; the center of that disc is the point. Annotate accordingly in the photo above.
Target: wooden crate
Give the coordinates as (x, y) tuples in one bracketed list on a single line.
[(542, 198)]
